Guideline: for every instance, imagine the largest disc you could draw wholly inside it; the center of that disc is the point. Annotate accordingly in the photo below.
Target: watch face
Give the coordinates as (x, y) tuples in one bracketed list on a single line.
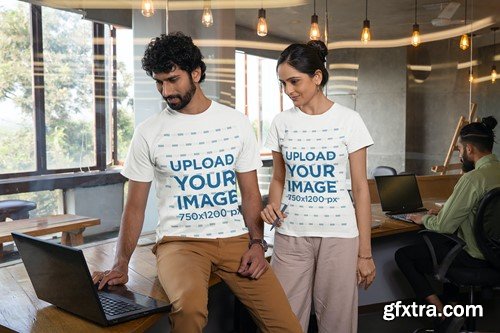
[(264, 245), (261, 242)]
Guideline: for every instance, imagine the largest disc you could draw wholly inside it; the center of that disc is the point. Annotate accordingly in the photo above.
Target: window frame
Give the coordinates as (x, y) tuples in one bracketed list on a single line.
[(99, 76)]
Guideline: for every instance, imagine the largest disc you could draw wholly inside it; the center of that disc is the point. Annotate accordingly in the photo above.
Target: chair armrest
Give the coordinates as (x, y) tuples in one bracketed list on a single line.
[(440, 269)]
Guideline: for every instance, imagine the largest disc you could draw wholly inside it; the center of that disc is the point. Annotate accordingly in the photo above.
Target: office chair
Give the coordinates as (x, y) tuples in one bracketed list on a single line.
[(487, 235), (15, 209), (383, 170)]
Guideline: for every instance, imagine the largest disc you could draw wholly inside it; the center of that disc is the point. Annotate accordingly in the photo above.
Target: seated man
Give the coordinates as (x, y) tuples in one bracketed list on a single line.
[(196, 150), (458, 213)]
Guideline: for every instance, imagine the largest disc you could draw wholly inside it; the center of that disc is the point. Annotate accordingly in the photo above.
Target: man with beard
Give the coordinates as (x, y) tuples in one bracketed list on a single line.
[(195, 150), (482, 173)]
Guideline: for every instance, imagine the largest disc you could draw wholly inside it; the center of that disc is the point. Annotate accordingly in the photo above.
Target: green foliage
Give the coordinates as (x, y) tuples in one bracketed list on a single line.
[(125, 125), (69, 90), (15, 57), (17, 150)]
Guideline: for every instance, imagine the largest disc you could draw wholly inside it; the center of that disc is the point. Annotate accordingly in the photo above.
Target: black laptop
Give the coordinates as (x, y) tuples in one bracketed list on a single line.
[(399, 195), (60, 276)]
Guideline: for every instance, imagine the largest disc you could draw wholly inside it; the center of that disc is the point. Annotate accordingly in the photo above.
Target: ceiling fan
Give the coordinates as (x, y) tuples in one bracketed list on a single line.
[(447, 12)]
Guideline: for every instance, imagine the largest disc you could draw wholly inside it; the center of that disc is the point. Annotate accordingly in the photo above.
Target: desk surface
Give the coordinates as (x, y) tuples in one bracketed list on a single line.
[(393, 227), (21, 310), (390, 226)]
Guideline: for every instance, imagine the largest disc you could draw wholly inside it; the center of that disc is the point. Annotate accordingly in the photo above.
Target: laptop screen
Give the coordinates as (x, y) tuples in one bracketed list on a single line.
[(398, 193)]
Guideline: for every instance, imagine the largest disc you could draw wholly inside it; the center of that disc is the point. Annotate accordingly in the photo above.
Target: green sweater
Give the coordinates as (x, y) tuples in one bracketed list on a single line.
[(459, 211)]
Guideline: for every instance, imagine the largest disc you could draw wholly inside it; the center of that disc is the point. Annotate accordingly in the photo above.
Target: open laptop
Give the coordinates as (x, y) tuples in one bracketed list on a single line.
[(399, 196), (60, 276)]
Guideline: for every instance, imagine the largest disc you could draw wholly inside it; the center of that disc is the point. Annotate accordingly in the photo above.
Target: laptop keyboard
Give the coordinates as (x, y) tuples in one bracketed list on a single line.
[(113, 307), (404, 217), (401, 217)]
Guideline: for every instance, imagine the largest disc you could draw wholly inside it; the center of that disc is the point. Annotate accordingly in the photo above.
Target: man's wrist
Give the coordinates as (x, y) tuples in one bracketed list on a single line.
[(258, 241)]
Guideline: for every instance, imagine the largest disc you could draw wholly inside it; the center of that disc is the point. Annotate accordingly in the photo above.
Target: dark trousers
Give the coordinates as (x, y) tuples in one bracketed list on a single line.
[(415, 261)]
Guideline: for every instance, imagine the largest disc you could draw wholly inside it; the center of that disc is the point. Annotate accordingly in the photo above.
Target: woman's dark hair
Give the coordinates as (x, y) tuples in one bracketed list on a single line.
[(306, 58), (166, 52), (480, 135)]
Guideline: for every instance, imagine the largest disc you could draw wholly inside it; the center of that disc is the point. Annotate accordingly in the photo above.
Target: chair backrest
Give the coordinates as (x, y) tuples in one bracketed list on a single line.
[(383, 170), (487, 227)]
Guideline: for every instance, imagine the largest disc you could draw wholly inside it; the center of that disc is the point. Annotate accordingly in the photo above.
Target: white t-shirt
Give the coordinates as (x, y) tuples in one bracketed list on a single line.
[(316, 149), (193, 159)]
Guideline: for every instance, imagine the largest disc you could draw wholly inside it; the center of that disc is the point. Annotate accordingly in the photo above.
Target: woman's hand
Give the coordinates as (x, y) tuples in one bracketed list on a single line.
[(271, 212), (366, 271)]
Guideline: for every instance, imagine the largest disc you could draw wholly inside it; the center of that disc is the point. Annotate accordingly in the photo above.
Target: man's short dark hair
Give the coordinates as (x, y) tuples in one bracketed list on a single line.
[(163, 54)]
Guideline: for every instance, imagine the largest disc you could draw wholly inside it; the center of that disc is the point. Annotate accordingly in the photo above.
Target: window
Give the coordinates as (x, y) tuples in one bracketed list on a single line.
[(17, 126), (68, 109), (256, 82), (68, 86), (125, 91)]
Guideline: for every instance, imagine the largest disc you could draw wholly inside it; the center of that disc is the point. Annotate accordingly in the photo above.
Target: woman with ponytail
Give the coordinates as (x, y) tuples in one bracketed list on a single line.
[(322, 247)]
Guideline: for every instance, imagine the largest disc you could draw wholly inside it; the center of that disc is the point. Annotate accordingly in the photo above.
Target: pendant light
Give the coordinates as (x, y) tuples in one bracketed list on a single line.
[(464, 40), (493, 67), (262, 24), (366, 34), (206, 18), (147, 8), (415, 36), (314, 33)]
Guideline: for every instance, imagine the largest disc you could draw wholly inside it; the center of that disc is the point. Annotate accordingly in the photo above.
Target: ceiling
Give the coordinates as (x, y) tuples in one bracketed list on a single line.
[(391, 20)]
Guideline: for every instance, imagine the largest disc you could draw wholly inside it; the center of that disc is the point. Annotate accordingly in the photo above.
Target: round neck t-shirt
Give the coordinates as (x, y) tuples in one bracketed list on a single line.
[(316, 150), (193, 160)]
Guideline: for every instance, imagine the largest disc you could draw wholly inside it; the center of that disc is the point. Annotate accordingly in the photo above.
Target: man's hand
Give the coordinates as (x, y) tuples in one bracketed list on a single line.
[(434, 211), (417, 218), (253, 262), (117, 275)]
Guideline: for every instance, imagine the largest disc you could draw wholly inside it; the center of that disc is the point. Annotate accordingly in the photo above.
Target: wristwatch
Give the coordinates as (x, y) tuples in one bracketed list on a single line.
[(261, 242)]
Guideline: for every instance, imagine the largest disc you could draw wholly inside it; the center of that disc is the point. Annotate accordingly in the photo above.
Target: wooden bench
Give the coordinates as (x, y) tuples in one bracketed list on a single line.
[(71, 226)]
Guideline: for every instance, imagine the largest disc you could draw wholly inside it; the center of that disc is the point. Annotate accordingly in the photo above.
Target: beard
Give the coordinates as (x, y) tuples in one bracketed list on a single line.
[(467, 164), (183, 99)]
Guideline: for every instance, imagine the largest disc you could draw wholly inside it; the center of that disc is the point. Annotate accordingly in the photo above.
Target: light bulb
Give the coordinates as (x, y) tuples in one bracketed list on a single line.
[(262, 24), (471, 76), (493, 74), (147, 8), (464, 42), (314, 33), (415, 37), (366, 34), (206, 18)]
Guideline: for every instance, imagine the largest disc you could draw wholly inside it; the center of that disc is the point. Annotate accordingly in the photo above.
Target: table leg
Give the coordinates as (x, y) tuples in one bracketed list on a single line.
[(73, 237)]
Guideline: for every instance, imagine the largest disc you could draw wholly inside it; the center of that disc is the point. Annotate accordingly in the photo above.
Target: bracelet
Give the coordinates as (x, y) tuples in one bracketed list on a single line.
[(367, 258)]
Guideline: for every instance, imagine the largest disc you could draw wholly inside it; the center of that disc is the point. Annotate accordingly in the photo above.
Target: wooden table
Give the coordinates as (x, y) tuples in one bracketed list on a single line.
[(71, 226), (390, 226), (393, 227)]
